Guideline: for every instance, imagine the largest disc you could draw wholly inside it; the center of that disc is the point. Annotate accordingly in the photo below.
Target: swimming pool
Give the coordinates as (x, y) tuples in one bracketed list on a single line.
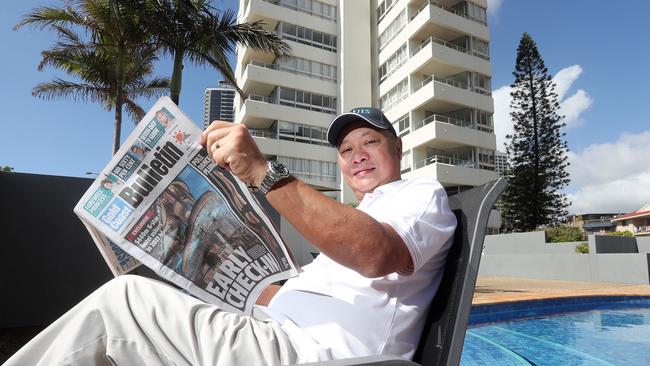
[(600, 330)]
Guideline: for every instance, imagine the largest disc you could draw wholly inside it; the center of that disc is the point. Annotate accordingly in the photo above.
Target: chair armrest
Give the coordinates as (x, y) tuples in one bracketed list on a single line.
[(379, 360)]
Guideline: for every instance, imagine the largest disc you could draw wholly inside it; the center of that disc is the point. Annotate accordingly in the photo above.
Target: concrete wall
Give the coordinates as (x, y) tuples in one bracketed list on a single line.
[(526, 255), (643, 244), (525, 243)]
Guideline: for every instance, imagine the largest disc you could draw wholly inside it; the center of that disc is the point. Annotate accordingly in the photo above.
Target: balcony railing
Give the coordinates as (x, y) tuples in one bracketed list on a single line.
[(443, 119), (260, 98), (288, 5), (642, 230), (452, 82), (265, 134), (292, 103), (460, 13), (314, 176), (440, 42), (291, 70), (444, 160), (440, 79)]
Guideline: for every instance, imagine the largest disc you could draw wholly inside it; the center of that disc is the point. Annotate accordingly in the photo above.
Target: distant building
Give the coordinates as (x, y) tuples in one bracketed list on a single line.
[(219, 104), (593, 223), (638, 222), (500, 162)]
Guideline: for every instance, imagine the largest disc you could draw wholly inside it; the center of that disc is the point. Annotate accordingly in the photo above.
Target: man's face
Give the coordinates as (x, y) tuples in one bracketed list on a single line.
[(368, 158)]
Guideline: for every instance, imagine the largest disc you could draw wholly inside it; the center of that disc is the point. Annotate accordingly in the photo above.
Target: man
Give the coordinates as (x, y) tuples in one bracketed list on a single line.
[(367, 292)]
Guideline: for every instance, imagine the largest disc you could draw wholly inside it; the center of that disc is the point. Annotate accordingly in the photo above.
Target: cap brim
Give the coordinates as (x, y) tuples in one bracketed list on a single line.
[(339, 123)]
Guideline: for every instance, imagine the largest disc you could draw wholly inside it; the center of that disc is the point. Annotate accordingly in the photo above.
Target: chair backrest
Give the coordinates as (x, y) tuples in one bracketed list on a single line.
[(444, 331), (47, 251)]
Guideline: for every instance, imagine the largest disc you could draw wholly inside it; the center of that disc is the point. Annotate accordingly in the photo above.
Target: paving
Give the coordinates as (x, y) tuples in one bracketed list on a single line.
[(507, 289)]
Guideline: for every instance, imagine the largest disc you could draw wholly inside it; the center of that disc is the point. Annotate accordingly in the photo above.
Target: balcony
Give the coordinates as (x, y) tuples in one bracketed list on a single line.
[(434, 18), (449, 9), (450, 171), (260, 111), (444, 119), (642, 230), (292, 71), (444, 160), (300, 9)]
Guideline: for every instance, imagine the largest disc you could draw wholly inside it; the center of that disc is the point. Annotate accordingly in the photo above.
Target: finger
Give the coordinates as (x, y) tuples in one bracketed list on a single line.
[(214, 146), (216, 135), (215, 125), (219, 157)]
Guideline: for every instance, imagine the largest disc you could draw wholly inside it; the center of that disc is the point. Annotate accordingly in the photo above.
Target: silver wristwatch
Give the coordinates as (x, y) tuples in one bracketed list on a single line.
[(276, 172)]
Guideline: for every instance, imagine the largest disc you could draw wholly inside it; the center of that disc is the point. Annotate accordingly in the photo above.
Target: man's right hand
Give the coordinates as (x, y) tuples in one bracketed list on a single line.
[(232, 147)]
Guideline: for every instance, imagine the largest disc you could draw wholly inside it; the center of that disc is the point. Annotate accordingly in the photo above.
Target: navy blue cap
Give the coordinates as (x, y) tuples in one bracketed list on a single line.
[(373, 116)]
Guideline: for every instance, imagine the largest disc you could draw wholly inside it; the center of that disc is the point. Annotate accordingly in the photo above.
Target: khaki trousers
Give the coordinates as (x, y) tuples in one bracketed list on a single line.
[(133, 320)]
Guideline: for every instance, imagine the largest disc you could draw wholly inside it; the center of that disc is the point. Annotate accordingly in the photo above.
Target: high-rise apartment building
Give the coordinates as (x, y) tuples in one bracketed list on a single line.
[(425, 63), (219, 104), (500, 162)]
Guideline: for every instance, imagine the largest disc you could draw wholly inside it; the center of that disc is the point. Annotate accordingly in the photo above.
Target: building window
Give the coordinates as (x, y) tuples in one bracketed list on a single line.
[(484, 121), (299, 132), (307, 36), (403, 125), (476, 13), (306, 100), (310, 169), (406, 162), (481, 83), (393, 63), (393, 29), (480, 48), (312, 7), (383, 8), (395, 95), (486, 159), (310, 68)]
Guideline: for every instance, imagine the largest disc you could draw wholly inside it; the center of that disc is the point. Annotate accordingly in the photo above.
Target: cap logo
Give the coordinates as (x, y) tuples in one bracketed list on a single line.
[(361, 110)]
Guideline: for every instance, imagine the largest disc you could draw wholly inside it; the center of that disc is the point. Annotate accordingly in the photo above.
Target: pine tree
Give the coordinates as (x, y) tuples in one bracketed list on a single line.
[(536, 150)]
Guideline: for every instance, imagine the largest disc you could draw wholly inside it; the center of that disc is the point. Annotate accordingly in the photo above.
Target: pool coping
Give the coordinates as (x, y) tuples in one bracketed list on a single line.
[(500, 290)]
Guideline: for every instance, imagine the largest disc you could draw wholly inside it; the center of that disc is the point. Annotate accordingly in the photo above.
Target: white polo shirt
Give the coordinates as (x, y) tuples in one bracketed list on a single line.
[(330, 311)]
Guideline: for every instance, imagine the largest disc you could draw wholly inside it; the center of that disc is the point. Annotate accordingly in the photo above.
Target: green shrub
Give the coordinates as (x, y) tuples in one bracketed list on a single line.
[(626, 233), (582, 248), (561, 234)]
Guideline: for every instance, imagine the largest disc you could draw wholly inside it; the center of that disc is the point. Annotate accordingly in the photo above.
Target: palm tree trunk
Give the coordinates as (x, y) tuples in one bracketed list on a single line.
[(117, 132), (177, 76)]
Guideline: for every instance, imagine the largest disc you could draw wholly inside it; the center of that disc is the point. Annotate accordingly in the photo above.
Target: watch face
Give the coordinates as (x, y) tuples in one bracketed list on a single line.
[(279, 169)]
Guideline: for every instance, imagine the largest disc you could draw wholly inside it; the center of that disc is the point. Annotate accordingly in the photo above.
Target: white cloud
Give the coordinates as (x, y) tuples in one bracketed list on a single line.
[(618, 196), (493, 6), (600, 163), (611, 177), (565, 78), (571, 107), (502, 121)]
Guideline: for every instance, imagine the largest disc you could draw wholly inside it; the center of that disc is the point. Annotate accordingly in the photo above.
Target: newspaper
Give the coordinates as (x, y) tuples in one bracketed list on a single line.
[(163, 202)]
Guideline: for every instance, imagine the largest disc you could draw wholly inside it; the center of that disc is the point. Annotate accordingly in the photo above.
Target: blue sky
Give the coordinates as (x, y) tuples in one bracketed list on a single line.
[(596, 51)]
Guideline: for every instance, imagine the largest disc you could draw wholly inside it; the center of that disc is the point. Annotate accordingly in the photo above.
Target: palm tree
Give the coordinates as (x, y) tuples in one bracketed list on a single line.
[(105, 47), (195, 31)]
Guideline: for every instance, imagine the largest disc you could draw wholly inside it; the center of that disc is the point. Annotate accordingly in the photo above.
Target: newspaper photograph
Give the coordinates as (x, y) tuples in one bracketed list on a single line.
[(163, 202)]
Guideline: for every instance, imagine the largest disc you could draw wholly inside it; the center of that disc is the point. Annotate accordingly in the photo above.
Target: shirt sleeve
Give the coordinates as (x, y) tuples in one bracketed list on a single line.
[(419, 212)]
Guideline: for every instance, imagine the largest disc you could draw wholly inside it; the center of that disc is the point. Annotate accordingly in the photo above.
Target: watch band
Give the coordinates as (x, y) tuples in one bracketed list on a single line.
[(275, 173)]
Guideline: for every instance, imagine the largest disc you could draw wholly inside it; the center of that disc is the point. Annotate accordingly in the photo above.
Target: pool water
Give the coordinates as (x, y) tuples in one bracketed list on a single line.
[(588, 331)]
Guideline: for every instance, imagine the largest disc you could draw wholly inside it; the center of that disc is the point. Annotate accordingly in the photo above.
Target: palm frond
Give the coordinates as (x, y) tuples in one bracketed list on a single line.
[(59, 88)]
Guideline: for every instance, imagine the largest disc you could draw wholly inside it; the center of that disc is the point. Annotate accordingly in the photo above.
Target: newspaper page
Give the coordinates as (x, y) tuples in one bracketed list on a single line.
[(164, 201)]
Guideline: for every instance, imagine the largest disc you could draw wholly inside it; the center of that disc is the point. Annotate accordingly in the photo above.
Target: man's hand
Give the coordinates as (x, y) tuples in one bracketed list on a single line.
[(232, 147)]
